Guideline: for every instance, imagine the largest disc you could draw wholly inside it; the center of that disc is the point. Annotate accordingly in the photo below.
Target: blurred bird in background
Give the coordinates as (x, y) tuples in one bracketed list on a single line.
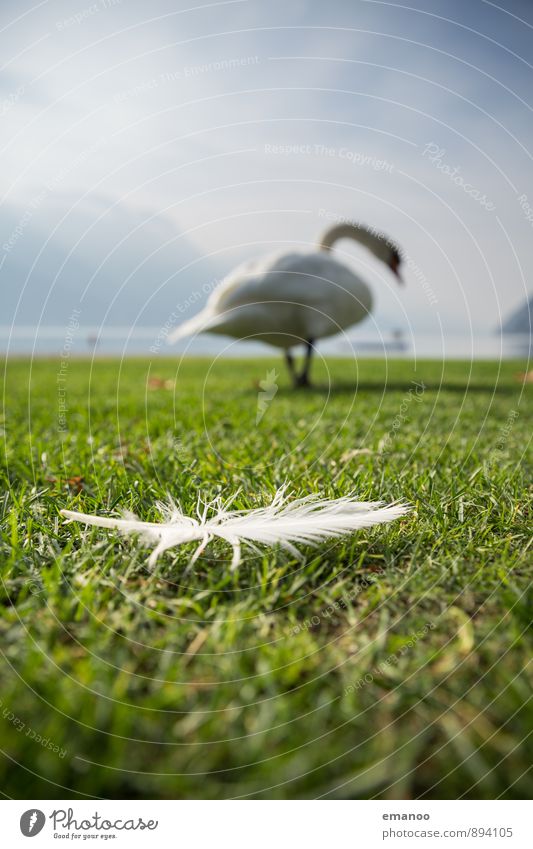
[(292, 299)]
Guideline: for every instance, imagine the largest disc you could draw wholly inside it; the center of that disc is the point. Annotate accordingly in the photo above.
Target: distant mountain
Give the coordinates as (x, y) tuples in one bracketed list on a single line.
[(115, 265), (520, 321)]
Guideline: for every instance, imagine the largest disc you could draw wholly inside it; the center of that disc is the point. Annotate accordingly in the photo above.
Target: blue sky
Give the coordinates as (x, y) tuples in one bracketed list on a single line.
[(148, 148)]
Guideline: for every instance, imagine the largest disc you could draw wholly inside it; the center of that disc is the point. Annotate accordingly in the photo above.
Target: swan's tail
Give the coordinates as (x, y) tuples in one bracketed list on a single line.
[(199, 324)]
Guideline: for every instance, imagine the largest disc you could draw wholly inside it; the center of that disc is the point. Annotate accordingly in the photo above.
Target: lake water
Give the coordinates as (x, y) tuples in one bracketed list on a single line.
[(146, 341)]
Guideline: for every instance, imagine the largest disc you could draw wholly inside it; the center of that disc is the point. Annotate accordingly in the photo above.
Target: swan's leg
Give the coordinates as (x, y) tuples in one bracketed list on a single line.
[(303, 379), (289, 359)]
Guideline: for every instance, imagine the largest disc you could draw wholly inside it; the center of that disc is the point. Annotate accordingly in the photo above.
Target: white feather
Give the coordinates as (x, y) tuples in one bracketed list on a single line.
[(305, 521)]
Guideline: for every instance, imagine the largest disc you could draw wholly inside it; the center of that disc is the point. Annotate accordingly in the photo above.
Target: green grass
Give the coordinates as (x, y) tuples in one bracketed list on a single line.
[(170, 684)]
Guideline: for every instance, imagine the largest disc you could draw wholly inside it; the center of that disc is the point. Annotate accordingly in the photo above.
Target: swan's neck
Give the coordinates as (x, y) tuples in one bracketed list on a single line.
[(374, 241)]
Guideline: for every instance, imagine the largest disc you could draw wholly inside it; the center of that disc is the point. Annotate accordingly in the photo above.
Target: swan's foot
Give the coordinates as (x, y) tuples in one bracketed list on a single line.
[(302, 382)]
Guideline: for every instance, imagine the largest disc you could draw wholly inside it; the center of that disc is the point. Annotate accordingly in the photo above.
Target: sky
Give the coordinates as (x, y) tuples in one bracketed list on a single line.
[(149, 148)]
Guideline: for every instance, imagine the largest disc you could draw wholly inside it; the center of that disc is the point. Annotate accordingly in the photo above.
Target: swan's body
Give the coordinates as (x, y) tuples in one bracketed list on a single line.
[(284, 300), (292, 299)]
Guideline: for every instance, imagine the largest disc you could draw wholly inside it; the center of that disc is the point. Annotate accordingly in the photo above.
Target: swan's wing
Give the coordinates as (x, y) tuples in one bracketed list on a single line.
[(296, 280), (235, 290), (306, 278), (247, 281), (251, 282)]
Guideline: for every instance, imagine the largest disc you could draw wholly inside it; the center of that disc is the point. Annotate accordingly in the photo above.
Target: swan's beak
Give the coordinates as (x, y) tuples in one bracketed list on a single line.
[(394, 266)]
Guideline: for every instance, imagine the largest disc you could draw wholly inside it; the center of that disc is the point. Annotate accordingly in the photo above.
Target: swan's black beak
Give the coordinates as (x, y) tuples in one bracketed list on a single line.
[(394, 266)]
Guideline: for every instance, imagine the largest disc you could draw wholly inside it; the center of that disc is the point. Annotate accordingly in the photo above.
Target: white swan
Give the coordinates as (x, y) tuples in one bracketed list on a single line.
[(293, 299)]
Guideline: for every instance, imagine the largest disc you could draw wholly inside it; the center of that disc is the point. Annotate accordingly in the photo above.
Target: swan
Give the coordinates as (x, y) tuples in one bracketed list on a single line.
[(294, 298)]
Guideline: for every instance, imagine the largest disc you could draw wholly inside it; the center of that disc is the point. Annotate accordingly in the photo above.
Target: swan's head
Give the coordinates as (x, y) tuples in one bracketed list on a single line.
[(394, 261), (383, 248)]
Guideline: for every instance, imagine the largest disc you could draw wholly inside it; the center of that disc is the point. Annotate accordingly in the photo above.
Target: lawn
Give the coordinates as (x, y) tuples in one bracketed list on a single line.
[(395, 663)]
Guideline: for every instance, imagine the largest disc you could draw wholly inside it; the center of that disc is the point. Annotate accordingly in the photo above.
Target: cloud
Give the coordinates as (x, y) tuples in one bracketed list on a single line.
[(152, 131)]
